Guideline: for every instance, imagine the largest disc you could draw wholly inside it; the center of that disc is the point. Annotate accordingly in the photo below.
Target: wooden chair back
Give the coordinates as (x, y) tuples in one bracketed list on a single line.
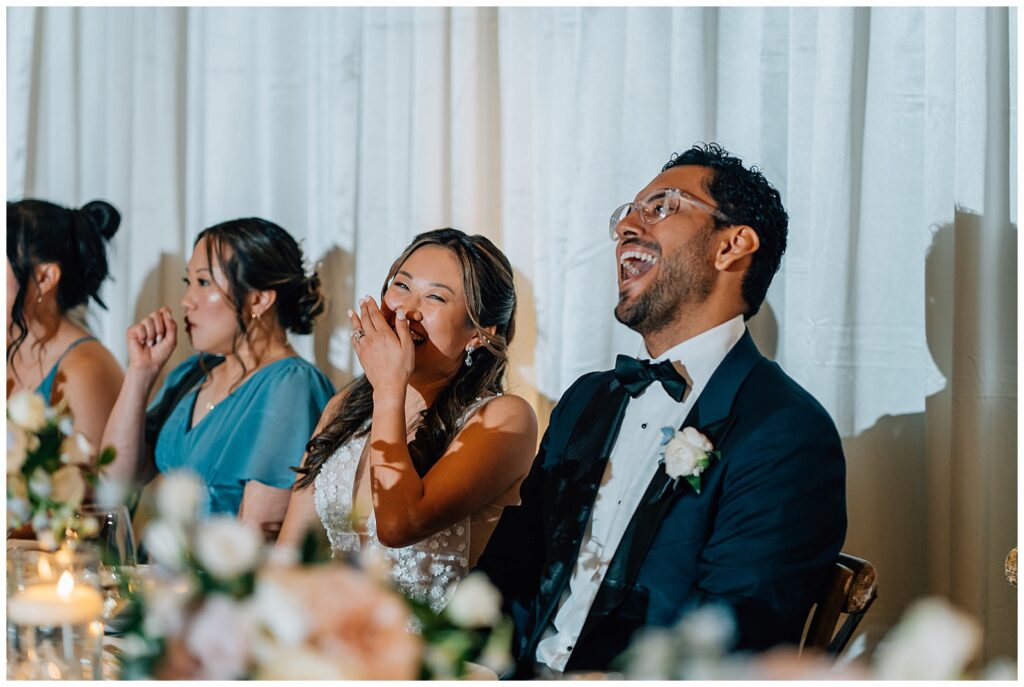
[(849, 590)]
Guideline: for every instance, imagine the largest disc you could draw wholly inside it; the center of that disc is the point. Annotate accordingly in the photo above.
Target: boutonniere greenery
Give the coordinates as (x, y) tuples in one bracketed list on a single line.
[(686, 453)]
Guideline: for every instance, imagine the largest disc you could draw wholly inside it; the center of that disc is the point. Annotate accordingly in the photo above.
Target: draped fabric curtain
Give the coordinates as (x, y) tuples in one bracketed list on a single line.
[(890, 132)]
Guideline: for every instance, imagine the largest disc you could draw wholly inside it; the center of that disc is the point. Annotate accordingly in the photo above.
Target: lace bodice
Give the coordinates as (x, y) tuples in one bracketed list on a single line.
[(425, 570)]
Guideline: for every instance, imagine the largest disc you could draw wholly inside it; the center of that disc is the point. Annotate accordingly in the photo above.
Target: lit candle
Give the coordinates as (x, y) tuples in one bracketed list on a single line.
[(64, 603)]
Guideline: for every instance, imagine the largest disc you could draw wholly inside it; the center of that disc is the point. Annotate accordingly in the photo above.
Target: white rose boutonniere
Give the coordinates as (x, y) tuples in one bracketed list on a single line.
[(686, 453)]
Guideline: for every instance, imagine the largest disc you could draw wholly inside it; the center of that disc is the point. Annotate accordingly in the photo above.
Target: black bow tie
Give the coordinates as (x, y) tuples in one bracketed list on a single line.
[(636, 375)]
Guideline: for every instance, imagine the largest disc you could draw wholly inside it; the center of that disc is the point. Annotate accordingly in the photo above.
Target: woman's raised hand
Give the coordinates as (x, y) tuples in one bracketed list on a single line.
[(387, 355), (151, 342)]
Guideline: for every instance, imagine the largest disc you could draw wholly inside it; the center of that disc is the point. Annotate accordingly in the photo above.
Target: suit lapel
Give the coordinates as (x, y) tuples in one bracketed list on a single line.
[(576, 479), (712, 417)]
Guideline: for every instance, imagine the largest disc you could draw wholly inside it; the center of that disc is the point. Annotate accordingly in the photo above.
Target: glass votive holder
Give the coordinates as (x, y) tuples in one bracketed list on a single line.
[(54, 615)]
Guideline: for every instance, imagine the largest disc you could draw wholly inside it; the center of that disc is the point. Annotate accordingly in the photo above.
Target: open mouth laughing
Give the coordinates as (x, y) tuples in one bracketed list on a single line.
[(634, 263)]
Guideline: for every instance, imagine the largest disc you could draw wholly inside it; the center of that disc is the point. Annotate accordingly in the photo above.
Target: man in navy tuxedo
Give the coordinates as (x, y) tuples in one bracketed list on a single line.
[(617, 529)]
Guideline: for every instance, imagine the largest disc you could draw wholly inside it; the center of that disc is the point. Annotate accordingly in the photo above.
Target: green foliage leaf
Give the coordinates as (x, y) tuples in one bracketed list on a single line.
[(107, 456), (694, 481)]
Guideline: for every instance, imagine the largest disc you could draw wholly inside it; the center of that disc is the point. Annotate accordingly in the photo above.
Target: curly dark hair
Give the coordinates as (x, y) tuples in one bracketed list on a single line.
[(39, 231), (256, 254), (748, 198)]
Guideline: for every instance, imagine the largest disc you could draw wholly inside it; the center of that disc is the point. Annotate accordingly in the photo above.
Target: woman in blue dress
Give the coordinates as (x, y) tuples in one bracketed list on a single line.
[(239, 412), (56, 262)]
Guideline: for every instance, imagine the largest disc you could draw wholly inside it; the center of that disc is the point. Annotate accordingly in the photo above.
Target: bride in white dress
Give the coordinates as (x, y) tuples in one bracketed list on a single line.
[(418, 457)]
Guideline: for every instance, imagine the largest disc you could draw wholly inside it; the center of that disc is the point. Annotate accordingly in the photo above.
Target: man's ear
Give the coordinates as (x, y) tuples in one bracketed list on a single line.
[(261, 301), (736, 245)]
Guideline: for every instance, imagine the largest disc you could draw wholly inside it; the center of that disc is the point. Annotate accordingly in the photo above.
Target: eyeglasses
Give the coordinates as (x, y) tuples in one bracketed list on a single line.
[(661, 204)]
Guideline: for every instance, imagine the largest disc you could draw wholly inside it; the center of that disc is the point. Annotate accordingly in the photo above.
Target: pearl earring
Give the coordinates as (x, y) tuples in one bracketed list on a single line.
[(469, 355)]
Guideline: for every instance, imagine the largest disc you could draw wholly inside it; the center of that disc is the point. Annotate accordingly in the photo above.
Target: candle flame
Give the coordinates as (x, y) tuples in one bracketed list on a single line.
[(45, 571), (65, 585)]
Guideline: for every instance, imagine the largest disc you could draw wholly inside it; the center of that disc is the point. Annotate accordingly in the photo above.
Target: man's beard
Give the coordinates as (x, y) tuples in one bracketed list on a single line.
[(684, 278)]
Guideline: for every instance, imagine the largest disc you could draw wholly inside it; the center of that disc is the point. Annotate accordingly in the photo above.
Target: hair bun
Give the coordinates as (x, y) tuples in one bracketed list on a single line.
[(103, 216), (309, 305)]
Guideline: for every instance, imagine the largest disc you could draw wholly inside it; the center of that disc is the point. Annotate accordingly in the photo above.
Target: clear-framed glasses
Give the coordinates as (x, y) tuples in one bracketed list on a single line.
[(660, 204)]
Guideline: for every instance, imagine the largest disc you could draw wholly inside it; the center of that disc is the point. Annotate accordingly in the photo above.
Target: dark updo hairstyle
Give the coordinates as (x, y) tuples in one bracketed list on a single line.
[(40, 232), (490, 302), (257, 255)]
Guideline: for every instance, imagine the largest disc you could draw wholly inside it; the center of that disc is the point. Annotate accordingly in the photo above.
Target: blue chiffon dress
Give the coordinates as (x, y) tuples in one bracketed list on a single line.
[(257, 433)]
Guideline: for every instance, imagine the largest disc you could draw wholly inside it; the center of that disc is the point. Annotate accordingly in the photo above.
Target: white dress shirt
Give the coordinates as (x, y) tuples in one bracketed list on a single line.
[(631, 466)]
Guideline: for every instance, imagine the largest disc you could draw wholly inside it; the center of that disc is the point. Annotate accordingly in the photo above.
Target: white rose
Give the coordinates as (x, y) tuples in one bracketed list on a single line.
[(17, 447), (227, 547), (686, 453), (300, 663), (69, 486), (41, 521), (66, 426), (220, 636), (695, 438), (28, 409), (476, 603), (682, 458), (18, 511), (933, 641), (280, 612), (165, 542), (165, 611), (39, 483), (76, 450), (708, 630), (652, 655), (89, 527), (179, 496), (46, 539), (133, 645)]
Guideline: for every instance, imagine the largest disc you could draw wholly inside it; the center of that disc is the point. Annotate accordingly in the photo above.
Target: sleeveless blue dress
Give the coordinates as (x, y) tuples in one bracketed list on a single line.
[(257, 433), (45, 388)]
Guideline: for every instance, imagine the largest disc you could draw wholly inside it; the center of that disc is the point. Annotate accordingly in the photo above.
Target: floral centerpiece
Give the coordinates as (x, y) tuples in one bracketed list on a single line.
[(49, 467), (932, 641), (221, 605)]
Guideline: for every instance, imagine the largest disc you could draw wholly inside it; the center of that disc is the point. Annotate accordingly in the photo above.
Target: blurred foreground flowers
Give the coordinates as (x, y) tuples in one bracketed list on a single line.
[(932, 641), (50, 467), (218, 604)]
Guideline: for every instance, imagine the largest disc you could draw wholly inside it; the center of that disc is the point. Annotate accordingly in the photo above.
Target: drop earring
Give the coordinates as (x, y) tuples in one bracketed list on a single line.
[(469, 355)]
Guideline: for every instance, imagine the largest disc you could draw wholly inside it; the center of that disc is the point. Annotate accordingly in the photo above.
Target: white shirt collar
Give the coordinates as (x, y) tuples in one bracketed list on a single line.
[(697, 358)]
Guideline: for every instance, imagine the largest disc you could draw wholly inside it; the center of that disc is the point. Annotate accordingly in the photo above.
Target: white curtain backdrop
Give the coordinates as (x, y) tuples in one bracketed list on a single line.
[(891, 133)]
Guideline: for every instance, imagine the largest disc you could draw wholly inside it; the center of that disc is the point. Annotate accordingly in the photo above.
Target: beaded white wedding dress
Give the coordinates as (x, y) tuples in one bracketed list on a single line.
[(426, 570)]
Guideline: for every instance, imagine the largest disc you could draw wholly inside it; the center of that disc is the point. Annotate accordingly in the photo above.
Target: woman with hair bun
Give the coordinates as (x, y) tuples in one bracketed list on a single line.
[(56, 262), (239, 412)]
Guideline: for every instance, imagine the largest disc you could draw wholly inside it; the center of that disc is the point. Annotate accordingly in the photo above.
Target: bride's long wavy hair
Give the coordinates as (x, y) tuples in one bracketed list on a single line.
[(490, 301)]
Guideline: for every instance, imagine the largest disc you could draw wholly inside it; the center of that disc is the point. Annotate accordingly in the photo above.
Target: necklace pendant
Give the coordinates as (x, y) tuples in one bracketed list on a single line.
[(210, 406)]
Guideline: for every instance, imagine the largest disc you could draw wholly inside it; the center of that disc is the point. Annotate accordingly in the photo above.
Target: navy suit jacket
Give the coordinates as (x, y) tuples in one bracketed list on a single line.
[(769, 521)]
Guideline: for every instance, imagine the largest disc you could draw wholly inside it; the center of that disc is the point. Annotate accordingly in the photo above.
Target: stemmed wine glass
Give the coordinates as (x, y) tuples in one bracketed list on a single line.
[(115, 539)]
